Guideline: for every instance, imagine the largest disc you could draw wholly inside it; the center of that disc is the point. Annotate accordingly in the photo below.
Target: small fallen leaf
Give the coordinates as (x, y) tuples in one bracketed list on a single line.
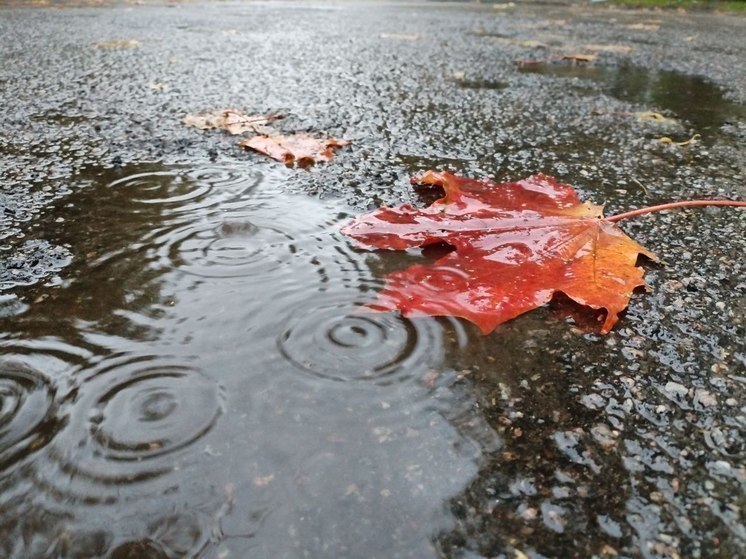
[(126, 44), (652, 116), (302, 149), (580, 57), (263, 481), (399, 36), (516, 245), (667, 140), (231, 120), (644, 26), (158, 86)]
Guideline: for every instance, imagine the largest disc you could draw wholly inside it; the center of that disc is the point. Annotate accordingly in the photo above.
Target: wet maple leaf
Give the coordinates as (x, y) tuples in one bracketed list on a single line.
[(516, 245), (301, 149)]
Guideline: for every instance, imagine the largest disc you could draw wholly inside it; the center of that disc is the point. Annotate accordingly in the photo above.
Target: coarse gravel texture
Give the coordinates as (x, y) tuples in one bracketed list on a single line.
[(631, 444)]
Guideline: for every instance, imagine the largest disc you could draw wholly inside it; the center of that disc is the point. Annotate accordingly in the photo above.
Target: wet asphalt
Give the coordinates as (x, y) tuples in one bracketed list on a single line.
[(634, 444)]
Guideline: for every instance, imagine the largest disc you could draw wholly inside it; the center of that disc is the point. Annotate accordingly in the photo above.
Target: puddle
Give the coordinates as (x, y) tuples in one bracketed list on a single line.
[(203, 382), (206, 379), (691, 98)]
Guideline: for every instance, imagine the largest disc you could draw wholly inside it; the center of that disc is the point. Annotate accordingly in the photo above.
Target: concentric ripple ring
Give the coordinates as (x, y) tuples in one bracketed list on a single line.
[(343, 341), (136, 420), (27, 412)]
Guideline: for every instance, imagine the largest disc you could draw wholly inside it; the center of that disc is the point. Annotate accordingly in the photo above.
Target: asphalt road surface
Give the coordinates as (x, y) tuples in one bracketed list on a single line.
[(551, 442)]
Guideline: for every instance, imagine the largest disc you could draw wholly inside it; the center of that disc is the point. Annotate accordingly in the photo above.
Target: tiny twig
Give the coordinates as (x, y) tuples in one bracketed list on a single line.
[(644, 188)]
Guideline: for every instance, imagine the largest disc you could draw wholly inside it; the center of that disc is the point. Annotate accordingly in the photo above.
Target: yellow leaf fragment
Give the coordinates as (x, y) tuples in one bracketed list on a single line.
[(692, 140), (652, 116)]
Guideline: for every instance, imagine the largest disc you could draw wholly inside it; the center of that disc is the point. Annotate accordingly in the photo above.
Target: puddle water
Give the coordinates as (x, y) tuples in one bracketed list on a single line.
[(692, 99), (205, 384)]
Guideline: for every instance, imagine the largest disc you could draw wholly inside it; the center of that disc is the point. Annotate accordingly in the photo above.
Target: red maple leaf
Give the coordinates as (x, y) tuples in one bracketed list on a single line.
[(516, 245)]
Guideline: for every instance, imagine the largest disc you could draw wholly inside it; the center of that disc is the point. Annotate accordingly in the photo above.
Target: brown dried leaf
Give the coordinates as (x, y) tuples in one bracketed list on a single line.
[(231, 120), (302, 149)]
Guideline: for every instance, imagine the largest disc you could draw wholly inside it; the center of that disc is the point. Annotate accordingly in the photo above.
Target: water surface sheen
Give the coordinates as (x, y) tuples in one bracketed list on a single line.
[(205, 384)]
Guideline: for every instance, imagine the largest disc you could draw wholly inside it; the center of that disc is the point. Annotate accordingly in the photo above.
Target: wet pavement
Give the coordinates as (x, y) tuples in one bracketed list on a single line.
[(184, 369)]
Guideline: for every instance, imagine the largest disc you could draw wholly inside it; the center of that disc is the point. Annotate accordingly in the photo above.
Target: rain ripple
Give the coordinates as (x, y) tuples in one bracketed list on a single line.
[(338, 340), (35, 387), (28, 412), (135, 418), (185, 191), (210, 223), (231, 245)]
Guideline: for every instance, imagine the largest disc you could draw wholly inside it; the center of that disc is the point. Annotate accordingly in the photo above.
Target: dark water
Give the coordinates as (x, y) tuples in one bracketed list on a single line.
[(692, 99), (205, 383)]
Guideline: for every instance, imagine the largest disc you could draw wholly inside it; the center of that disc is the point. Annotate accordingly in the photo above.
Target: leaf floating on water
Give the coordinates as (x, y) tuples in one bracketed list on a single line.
[(516, 245), (302, 149), (232, 121)]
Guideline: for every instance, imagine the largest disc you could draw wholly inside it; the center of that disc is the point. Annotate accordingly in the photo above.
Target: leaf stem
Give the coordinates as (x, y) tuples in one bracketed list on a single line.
[(673, 205)]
